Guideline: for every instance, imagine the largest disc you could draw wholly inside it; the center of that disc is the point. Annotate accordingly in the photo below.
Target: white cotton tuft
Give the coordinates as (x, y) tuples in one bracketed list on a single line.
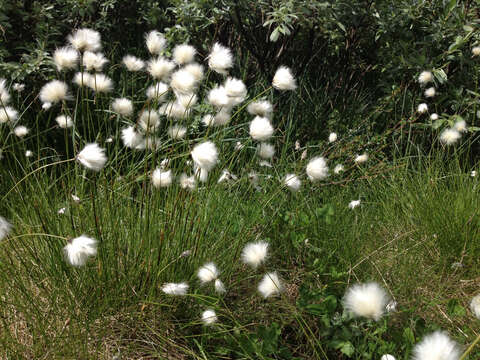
[(218, 97), (4, 94), (94, 61), (186, 100), (46, 106), (235, 88), (7, 114), (53, 92), (387, 357), (5, 228), (261, 108), (160, 68), (338, 169), (85, 40), (149, 120), (207, 273), (157, 92), (205, 155), (196, 70), (100, 83), (360, 159), (436, 346), (174, 109), (332, 137), (261, 129), (476, 51), (434, 117), (317, 169), (28, 153), (367, 300), (187, 182), (65, 58), (292, 182), (255, 253), (79, 250), (82, 79), (430, 92), (161, 178), (283, 79), (226, 176), (449, 136), (460, 126), (20, 131), (422, 108), (209, 317), (353, 204), (175, 288), (270, 285), (177, 132), (133, 63), (220, 59), (18, 87), (220, 287), (183, 54), (425, 77), (265, 150), (222, 117), (92, 157), (64, 121), (183, 82), (123, 106), (155, 42), (475, 306)]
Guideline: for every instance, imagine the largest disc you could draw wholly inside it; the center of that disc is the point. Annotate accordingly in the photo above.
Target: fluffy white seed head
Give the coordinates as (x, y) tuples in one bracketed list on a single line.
[(430, 92), (183, 81), (317, 168), (460, 126), (196, 70), (7, 114), (360, 159), (235, 88), (94, 61), (366, 300), (82, 79), (79, 250), (422, 108), (387, 357), (425, 77), (175, 288), (209, 317), (4, 94), (187, 182), (123, 106), (475, 306), (292, 182), (338, 169), (18, 87), (5, 228), (174, 109), (353, 204), (133, 63), (20, 131), (155, 42), (157, 92), (332, 137), (131, 139), (100, 83), (207, 273), (265, 150), (64, 121), (434, 117), (270, 285), (476, 51), (183, 54), (205, 155), (255, 253), (149, 120), (436, 346), (261, 129), (186, 100), (92, 157), (218, 97), (220, 59), (261, 108), (162, 178), (209, 120), (283, 79), (85, 40), (28, 153), (65, 58), (450, 136), (53, 92), (160, 68), (220, 287), (222, 117), (177, 132)]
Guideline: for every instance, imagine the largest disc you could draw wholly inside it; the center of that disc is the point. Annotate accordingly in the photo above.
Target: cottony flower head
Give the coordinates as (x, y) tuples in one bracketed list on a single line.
[(261, 129), (220, 59), (131, 138), (20, 131), (430, 92), (65, 58), (5, 227), (79, 250), (270, 285), (207, 273), (449, 136), (209, 317), (64, 121), (183, 82), (94, 61), (292, 182), (82, 79), (7, 114), (218, 97), (53, 92), (162, 178), (255, 253), (175, 288), (177, 132), (183, 54), (196, 70), (360, 159), (317, 169), (85, 40), (425, 77), (123, 106), (475, 305), (283, 79), (436, 346), (160, 68), (261, 108), (155, 42), (265, 150), (205, 155), (422, 108), (92, 157), (133, 63), (367, 300), (100, 83), (332, 137), (157, 92)]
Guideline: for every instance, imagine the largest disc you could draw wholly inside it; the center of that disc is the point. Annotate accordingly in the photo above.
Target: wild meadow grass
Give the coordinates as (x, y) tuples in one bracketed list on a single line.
[(409, 226)]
